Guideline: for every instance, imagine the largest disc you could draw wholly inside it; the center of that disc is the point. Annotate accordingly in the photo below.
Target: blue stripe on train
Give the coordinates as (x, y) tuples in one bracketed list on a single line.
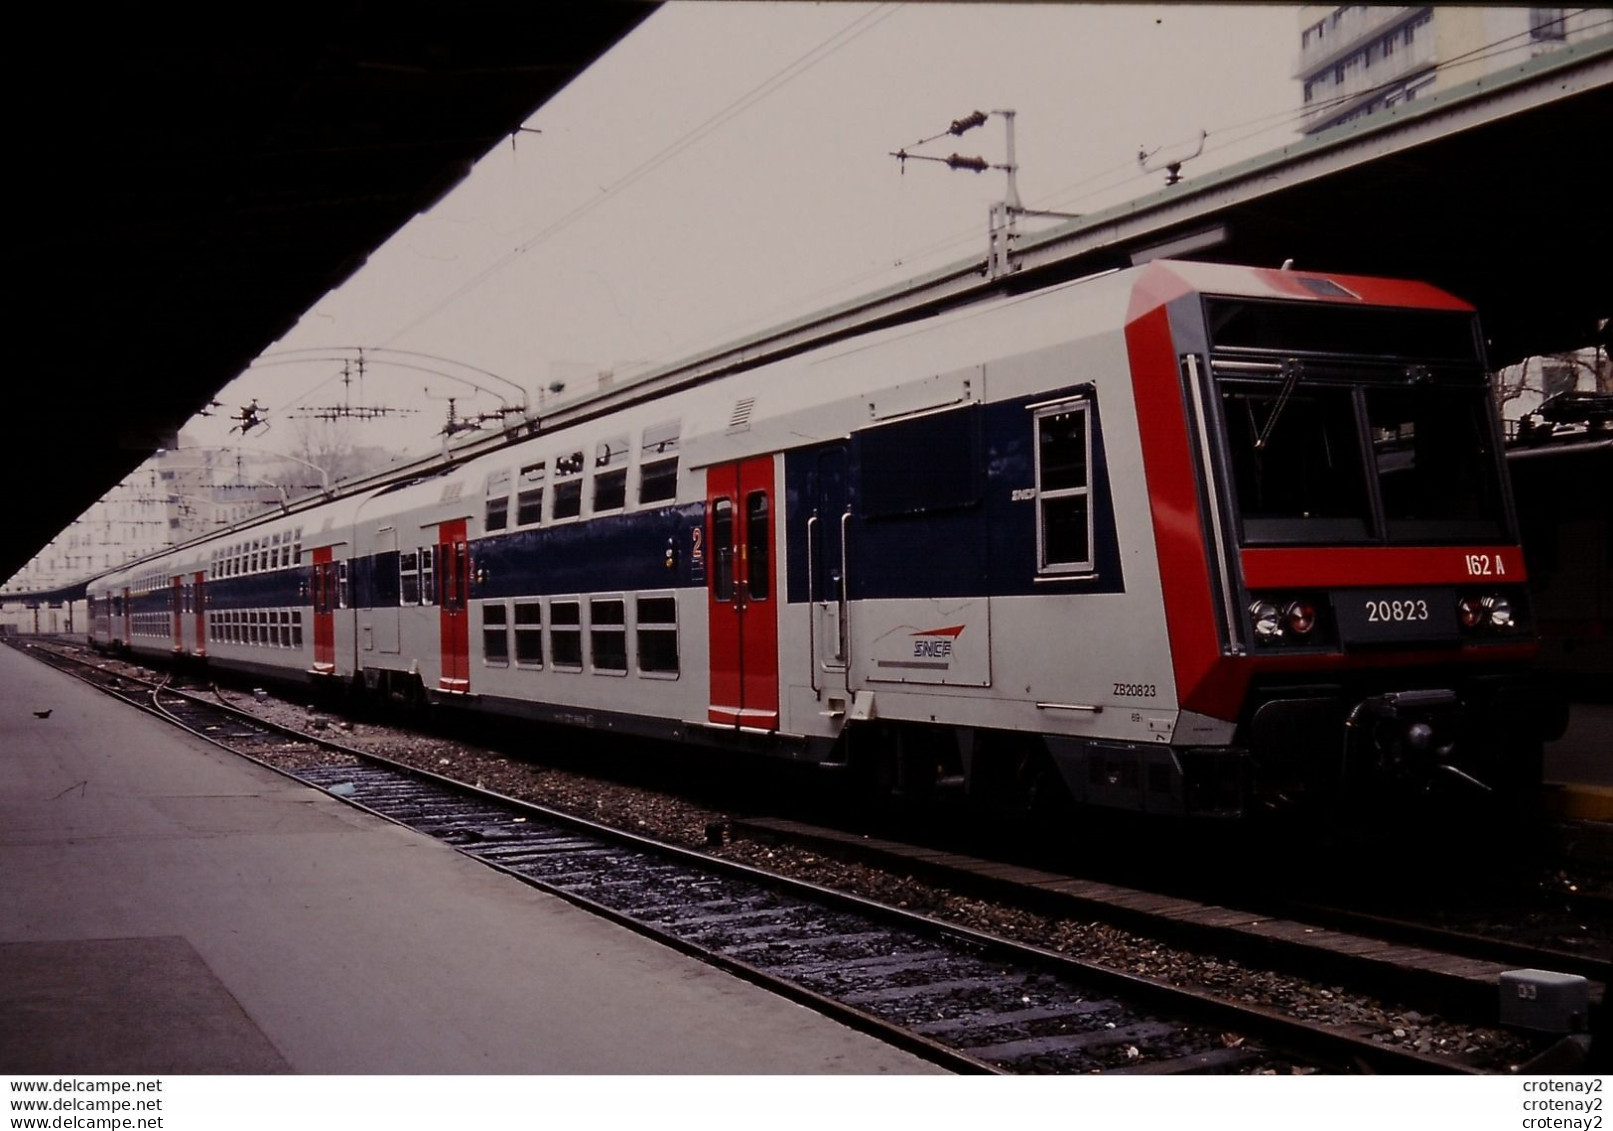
[(939, 523), (968, 538)]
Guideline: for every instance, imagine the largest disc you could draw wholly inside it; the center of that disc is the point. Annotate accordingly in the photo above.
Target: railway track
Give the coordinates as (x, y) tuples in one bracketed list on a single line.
[(962, 998), (1455, 971)]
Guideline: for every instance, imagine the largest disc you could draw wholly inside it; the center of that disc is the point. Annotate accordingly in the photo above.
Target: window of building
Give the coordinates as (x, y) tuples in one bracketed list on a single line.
[(568, 486), (529, 495), (1557, 377), (1063, 502), (657, 635), (658, 464), (607, 634), (529, 634), (565, 635), (495, 633), (1546, 24)]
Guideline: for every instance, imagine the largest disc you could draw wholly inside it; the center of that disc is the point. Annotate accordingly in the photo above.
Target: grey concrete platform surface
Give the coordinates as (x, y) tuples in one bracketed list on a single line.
[(169, 908)]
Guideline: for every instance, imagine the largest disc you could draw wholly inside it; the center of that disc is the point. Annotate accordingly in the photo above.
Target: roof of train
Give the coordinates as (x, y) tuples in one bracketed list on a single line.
[(421, 483)]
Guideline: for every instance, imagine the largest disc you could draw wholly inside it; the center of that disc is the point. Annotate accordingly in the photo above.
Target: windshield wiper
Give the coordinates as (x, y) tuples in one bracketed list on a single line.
[(1290, 371)]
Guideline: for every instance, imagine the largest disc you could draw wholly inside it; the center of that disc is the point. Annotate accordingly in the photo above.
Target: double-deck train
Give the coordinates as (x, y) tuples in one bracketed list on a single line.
[(1184, 538)]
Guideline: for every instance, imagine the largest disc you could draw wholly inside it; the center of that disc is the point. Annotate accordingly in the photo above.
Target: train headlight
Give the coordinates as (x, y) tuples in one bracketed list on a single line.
[(1300, 617), (1470, 611), (1497, 610), (1267, 621)]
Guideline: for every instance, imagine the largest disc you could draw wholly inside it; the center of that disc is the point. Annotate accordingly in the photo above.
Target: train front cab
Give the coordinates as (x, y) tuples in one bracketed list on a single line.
[(1350, 602)]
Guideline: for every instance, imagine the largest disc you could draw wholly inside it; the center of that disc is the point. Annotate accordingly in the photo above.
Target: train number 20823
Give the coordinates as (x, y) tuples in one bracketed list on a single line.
[(1395, 611), (1136, 690)]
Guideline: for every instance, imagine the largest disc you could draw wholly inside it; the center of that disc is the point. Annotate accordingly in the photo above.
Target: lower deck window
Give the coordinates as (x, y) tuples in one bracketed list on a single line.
[(607, 634), (565, 634), (495, 633), (657, 635), (529, 634)]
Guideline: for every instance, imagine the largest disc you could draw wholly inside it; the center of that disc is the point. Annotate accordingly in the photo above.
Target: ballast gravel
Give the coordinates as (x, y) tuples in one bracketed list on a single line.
[(666, 816)]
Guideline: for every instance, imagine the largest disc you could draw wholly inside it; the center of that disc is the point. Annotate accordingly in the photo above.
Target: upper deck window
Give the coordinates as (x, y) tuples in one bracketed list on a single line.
[(497, 515), (658, 464), (568, 486), (529, 497), (610, 475)]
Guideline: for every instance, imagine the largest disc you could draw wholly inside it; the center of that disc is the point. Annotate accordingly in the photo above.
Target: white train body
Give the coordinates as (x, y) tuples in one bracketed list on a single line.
[(1025, 525)]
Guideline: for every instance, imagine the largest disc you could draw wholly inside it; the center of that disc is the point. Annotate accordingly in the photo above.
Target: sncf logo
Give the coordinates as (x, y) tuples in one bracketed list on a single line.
[(936, 642)]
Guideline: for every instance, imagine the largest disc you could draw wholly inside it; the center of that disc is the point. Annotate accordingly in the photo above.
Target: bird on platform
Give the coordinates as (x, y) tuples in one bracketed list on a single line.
[(45, 714)]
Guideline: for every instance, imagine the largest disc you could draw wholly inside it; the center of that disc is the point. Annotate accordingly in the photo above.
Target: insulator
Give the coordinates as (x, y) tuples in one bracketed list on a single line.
[(978, 164), (963, 125)]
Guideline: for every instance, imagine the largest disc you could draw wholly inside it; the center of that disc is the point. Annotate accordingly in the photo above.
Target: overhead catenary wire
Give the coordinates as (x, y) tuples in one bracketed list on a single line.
[(777, 81), (1123, 173), (1106, 180)]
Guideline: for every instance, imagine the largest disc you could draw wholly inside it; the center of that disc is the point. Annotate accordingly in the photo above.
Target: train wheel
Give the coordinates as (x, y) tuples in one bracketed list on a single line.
[(1012, 777)]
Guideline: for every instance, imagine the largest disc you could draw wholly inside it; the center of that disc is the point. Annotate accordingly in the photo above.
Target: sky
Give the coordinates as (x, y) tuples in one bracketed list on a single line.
[(728, 166)]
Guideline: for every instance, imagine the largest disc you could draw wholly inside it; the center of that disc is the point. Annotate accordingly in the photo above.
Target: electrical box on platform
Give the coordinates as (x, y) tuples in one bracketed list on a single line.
[(1545, 1001)]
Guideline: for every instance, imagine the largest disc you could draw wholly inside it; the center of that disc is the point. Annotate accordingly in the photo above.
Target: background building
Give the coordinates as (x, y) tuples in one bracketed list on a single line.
[(1357, 60)]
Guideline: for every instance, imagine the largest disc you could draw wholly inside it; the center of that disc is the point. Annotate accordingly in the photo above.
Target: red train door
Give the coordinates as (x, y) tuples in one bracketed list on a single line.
[(176, 609), (742, 594), (453, 591), (199, 595), (324, 586)]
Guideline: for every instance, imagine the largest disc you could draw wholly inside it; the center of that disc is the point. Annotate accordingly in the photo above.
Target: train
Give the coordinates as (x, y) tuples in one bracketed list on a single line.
[(1185, 538)]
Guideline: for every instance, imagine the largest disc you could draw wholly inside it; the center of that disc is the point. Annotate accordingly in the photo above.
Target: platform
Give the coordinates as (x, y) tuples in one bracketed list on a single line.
[(166, 907), (1579, 765)]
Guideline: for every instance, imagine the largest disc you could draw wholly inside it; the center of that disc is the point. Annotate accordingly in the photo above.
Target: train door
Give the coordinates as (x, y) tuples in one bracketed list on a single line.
[(384, 612), (176, 611), (324, 602), (453, 591), (826, 568), (128, 618), (742, 594), (198, 594)]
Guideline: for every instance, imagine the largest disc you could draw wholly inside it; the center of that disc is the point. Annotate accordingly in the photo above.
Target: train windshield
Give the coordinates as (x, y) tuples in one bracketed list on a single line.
[(1369, 461), (1349, 424)]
